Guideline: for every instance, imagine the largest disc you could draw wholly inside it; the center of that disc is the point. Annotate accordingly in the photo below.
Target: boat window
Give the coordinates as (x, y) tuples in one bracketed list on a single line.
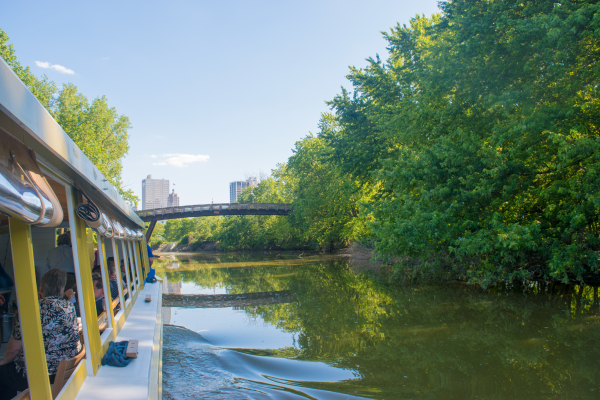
[(104, 320), (115, 279), (126, 268), (43, 240), (134, 264), (7, 276)]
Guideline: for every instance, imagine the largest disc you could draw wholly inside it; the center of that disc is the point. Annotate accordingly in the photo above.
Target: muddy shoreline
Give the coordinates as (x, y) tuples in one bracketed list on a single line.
[(360, 257)]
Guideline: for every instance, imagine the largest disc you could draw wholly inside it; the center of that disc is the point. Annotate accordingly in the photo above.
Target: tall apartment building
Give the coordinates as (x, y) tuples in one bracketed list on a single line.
[(173, 200), (236, 187), (155, 193)]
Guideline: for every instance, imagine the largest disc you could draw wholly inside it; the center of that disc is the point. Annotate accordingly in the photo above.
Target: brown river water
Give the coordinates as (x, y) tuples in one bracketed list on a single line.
[(328, 331)]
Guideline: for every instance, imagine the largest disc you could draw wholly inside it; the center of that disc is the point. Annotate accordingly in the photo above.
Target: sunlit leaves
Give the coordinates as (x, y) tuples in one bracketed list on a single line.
[(489, 116), (97, 129)]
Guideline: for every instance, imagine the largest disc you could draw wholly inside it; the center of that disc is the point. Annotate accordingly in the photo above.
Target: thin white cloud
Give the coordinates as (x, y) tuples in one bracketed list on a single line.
[(182, 160), (59, 68), (153, 156)]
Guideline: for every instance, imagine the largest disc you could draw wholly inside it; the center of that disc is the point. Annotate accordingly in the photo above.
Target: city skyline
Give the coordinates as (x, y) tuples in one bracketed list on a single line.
[(236, 187), (155, 193), (173, 200)]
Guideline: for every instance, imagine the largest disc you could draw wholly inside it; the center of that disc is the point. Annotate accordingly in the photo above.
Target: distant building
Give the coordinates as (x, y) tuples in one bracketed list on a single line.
[(236, 187), (155, 193), (173, 200)]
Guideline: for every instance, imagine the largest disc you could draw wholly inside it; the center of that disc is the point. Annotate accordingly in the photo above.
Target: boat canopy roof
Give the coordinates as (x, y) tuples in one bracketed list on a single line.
[(25, 118)]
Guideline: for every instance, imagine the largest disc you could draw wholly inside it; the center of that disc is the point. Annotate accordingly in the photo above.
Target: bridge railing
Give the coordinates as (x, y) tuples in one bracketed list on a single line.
[(214, 207)]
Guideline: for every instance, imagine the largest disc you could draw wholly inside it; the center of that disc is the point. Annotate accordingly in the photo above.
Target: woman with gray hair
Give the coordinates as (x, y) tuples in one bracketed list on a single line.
[(59, 330)]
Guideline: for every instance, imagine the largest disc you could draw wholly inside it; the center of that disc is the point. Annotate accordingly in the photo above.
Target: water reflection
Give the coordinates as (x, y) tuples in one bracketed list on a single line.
[(395, 340), (227, 327)]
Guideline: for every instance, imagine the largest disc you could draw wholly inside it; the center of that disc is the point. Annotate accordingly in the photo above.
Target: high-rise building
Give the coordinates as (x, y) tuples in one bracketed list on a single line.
[(155, 193), (173, 200), (236, 187)]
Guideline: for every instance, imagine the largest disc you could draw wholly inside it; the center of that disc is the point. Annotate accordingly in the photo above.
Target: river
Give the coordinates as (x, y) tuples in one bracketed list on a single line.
[(332, 331)]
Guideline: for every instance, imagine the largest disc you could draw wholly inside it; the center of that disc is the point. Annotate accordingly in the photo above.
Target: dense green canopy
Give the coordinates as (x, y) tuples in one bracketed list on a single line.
[(472, 150)]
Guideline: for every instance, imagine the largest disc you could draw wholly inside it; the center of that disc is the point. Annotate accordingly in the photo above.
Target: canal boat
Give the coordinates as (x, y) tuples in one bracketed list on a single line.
[(48, 186)]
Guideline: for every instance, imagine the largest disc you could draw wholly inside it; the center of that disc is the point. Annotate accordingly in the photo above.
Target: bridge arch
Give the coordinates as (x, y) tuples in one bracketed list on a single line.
[(210, 210)]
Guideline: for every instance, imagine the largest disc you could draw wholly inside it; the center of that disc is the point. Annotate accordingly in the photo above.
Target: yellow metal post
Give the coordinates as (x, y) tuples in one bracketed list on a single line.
[(144, 271), (86, 289), (106, 280), (144, 252), (131, 263), (128, 275), (115, 248), (29, 310), (137, 264), (90, 246)]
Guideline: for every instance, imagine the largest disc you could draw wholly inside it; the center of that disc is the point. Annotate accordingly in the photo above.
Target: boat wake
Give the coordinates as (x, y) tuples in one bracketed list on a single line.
[(195, 369)]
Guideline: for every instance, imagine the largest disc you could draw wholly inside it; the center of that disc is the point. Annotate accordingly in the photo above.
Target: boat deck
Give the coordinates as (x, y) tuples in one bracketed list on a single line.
[(133, 382)]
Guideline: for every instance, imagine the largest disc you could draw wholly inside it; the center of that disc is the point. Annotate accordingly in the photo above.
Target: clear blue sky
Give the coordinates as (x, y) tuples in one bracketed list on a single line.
[(215, 91)]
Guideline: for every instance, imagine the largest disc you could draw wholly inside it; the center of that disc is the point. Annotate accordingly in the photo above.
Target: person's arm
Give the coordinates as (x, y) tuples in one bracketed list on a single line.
[(13, 347), (2, 300)]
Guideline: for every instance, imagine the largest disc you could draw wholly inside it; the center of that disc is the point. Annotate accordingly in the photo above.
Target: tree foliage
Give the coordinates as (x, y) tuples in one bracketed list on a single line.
[(472, 150), (97, 129), (481, 129), (326, 200)]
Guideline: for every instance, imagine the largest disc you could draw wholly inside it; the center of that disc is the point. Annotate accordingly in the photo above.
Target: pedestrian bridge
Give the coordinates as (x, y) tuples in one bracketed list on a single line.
[(210, 210)]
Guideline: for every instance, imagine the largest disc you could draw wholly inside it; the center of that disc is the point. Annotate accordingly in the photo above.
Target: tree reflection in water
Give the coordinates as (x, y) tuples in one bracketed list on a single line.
[(422, 340)]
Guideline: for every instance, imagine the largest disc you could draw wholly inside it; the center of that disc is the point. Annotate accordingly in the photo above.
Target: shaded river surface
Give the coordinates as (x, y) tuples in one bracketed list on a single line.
[(346, 332)]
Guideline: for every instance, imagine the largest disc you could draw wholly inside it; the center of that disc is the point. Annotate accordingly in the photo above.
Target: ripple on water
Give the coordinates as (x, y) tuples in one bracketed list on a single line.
[(194, 368)]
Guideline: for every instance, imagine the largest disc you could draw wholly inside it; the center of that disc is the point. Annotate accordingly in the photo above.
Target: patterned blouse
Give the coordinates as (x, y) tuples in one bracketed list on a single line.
[(114, 288), (60, 332)]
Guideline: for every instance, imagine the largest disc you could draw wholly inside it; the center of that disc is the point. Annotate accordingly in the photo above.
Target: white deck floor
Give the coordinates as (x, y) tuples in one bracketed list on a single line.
[(130, 382)]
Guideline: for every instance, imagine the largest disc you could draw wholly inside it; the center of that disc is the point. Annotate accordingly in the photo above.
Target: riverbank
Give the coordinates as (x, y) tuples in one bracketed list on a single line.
[(360, 258)]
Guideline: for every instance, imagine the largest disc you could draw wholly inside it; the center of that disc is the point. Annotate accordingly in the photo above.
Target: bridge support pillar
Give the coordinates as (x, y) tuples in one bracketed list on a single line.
[(150, 230)]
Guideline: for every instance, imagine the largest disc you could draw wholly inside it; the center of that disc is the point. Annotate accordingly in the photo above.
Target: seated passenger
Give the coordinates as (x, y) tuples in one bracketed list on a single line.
[(123, 272), (61, 257), (60, 333), (99, 294), (113, 279), (6, 283)]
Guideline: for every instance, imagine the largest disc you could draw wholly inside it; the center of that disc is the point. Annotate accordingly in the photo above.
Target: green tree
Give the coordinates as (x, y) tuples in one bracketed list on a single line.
[(327, 196), (97, 129), (43, 89), (492, 112), (259, 231)]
